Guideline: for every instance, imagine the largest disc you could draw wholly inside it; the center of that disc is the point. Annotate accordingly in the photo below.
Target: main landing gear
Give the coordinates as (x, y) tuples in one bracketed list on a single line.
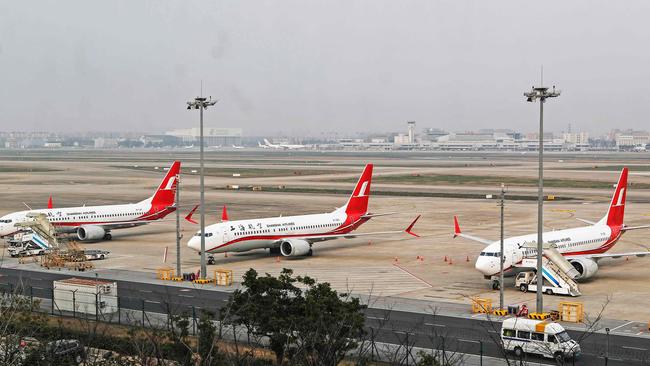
[(211, 259), (108, 236)]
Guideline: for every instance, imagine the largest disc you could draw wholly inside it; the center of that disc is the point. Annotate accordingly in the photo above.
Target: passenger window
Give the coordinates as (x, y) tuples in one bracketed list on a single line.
[(551, 338), (537, 336), (508, 332), (523, 335)]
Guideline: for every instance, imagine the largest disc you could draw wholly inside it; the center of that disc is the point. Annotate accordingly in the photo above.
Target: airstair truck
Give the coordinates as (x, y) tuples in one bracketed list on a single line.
[(556, 270), (29, 243)]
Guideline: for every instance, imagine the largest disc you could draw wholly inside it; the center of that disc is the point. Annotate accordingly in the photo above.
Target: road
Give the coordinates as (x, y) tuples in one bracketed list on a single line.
[(454, 334)]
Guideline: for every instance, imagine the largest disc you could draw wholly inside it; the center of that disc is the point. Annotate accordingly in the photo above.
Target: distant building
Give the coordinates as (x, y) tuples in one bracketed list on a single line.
[(106, 143), (639, 138), (211, 136), (432, 134), (402, 139)]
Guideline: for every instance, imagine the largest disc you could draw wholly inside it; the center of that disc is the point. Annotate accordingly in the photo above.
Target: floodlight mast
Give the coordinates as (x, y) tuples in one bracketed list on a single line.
[(202, 103), (540, 93)]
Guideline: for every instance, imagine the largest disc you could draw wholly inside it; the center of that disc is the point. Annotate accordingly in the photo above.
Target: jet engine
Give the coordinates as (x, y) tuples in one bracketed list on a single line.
[(295, 248), (91, 232), (585, 267)]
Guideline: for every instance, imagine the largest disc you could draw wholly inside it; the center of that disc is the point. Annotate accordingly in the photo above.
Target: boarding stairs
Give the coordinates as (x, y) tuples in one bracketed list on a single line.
[(40, 231), (556, 270)]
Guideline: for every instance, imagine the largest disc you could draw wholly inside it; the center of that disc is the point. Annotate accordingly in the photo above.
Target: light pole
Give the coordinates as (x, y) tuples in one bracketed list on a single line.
[(607, 350), (202, 103), (501, 204), (540, 93), (178, 225)]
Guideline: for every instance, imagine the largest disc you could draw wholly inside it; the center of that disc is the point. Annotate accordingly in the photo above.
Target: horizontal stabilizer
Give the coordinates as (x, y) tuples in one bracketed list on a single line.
[(371, 215), (628, 228), (586, 221)]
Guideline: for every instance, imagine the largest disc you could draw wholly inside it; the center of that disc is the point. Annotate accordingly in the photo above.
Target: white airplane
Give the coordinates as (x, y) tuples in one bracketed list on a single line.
[(582, 246), (293, 236), (237, 147), (268, 145), (96, 222)]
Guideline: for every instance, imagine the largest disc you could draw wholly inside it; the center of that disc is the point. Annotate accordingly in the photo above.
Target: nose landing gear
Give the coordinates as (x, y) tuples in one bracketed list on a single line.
[(211, 259), (496, 284)]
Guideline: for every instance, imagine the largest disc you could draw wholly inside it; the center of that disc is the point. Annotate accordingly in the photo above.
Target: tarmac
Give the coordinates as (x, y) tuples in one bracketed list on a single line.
[(412, 270)]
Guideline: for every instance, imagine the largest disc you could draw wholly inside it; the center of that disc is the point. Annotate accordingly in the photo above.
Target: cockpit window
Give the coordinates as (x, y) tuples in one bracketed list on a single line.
[(206, 234), (7, 221), (490, 254)]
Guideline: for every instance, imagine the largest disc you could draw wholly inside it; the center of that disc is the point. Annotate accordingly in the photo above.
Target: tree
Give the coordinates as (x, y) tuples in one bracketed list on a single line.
[(315, 326), (331, 325)]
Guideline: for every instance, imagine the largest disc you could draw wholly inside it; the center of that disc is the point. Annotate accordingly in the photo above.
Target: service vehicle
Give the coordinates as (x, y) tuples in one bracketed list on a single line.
[(545, 338), (96, 254), (527, 281)]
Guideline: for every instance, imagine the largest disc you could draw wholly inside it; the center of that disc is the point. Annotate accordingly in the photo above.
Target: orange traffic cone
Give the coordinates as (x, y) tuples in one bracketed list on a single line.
[(450, 262), (396, 260), (445, 258), (225, 255), (468, 258)]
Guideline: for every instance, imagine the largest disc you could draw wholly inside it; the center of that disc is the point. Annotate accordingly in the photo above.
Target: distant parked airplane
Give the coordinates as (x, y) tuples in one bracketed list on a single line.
[(268, 145)]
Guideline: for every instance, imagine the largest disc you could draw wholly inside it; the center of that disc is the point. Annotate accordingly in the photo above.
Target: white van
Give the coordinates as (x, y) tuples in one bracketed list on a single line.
[(540, 337)]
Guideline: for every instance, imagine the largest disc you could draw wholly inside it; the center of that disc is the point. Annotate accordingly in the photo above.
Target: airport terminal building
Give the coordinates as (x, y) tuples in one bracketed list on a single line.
[(212, 136)]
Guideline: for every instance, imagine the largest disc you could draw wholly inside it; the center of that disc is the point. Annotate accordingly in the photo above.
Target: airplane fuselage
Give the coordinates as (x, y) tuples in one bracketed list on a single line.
[(244, 235), (70, 218)]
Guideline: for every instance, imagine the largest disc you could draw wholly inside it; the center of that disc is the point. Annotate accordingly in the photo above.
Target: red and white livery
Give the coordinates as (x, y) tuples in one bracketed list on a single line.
[(293, 236), (96, 222), (582, 246)]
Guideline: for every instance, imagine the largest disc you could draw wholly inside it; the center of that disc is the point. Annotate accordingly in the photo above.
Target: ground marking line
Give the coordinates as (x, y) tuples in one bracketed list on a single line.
[(621, 326)]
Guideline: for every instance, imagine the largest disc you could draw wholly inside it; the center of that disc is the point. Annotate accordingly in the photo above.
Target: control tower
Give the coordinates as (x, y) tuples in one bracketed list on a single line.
[(411, 125)]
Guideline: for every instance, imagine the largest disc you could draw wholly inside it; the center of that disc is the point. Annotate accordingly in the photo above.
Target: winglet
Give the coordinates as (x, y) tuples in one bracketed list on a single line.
[(224, 214), (50, 203), (409, 230), (189, 215), (456, 227)]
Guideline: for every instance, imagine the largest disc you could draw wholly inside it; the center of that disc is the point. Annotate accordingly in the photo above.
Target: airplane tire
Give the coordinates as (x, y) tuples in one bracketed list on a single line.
[(210, 260), (523, 287), (495, 285), (108, 236), (310, 253), (549, 291)]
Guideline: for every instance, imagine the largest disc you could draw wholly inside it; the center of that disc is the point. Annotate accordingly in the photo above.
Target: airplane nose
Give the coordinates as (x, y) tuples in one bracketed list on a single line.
[(195, 243), (485, 266)]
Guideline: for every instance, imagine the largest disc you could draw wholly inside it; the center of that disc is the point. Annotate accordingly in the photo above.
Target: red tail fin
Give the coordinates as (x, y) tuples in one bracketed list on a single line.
[(50, 204), (165, 195), (616, 210), (358, 202)]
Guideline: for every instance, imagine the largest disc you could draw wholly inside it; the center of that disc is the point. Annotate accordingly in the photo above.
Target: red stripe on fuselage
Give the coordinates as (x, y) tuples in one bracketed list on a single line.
[(343, 229)]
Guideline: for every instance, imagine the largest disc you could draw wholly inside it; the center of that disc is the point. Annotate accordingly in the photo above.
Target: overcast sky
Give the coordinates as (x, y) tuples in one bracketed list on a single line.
[(303, 66)]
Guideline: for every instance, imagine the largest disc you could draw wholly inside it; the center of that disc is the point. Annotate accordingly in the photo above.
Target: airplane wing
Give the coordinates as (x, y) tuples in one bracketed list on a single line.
[(457, 232), (608, 255), (317, 238)]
